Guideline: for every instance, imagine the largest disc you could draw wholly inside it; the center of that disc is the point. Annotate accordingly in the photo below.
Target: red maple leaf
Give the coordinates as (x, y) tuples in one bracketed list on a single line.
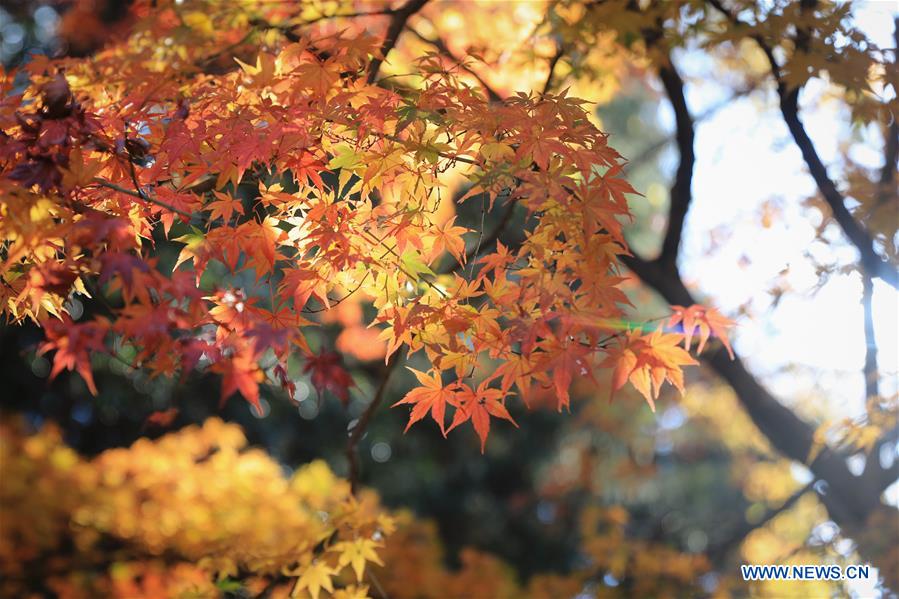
[(73, 343), (328, 374)]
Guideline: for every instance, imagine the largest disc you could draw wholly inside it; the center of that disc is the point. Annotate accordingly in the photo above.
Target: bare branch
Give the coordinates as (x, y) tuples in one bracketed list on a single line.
[(560, 51), (870, 370), (398, 20), (359, 430), (737, 536), (680, 191)]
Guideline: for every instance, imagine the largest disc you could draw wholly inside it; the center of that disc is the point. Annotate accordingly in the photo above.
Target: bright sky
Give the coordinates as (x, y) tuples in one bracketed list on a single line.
[(744, 161)]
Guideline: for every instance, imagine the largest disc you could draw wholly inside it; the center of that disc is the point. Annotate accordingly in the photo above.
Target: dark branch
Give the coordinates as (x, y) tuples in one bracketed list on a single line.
[(724, 547), (870, 371), (560, 51), (359, 430), (680, 191), (141, 195), (398, 20)]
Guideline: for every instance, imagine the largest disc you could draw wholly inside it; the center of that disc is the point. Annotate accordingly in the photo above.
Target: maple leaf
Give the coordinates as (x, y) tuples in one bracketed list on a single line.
[(352, 592), (449, 237), (708, 321), (306, 166), (478, 406), (73, 343), (566, 360), (315, 577), (497, 151), (431, 396), (356, 553), (328, 374), (301, 284), (50, 277), (224, 207), (647, 361), (240, 373)]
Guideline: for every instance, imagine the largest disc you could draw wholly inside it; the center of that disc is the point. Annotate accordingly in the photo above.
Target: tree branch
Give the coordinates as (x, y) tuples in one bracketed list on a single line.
[(398, 20), (870, 370), (359, 430), (560, 51), (722, 548), (680, 191), (142, 196), (789, 108)]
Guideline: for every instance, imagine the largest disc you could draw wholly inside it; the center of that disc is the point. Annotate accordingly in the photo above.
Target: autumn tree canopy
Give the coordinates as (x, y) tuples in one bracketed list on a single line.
[(211, 188)]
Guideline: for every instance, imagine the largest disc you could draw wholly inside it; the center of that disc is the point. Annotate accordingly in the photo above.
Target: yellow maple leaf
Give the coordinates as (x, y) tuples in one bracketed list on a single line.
[(315, 577), (356, 553)]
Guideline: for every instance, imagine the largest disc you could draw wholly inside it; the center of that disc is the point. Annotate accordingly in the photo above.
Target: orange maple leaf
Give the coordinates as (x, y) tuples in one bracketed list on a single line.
[(708, 321), (478, 406), (431, 396)]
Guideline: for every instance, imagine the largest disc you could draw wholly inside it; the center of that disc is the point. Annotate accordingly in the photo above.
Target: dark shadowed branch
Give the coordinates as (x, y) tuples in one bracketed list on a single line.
[(870, 371), (358, 431), (553, 62), (140, 195), (736, 538), (680, 190), (398, 20)]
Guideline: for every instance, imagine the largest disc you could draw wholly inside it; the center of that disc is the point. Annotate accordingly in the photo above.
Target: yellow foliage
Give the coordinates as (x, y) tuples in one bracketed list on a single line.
[(167, 518)]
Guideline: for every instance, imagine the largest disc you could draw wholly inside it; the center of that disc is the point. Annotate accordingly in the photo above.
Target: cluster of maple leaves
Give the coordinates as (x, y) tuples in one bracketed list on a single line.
[(308, 185)]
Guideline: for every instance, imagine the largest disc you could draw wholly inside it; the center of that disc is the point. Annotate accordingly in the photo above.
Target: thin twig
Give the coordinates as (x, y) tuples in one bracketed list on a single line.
[(486, 243), (362, 424), (141, 196)]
